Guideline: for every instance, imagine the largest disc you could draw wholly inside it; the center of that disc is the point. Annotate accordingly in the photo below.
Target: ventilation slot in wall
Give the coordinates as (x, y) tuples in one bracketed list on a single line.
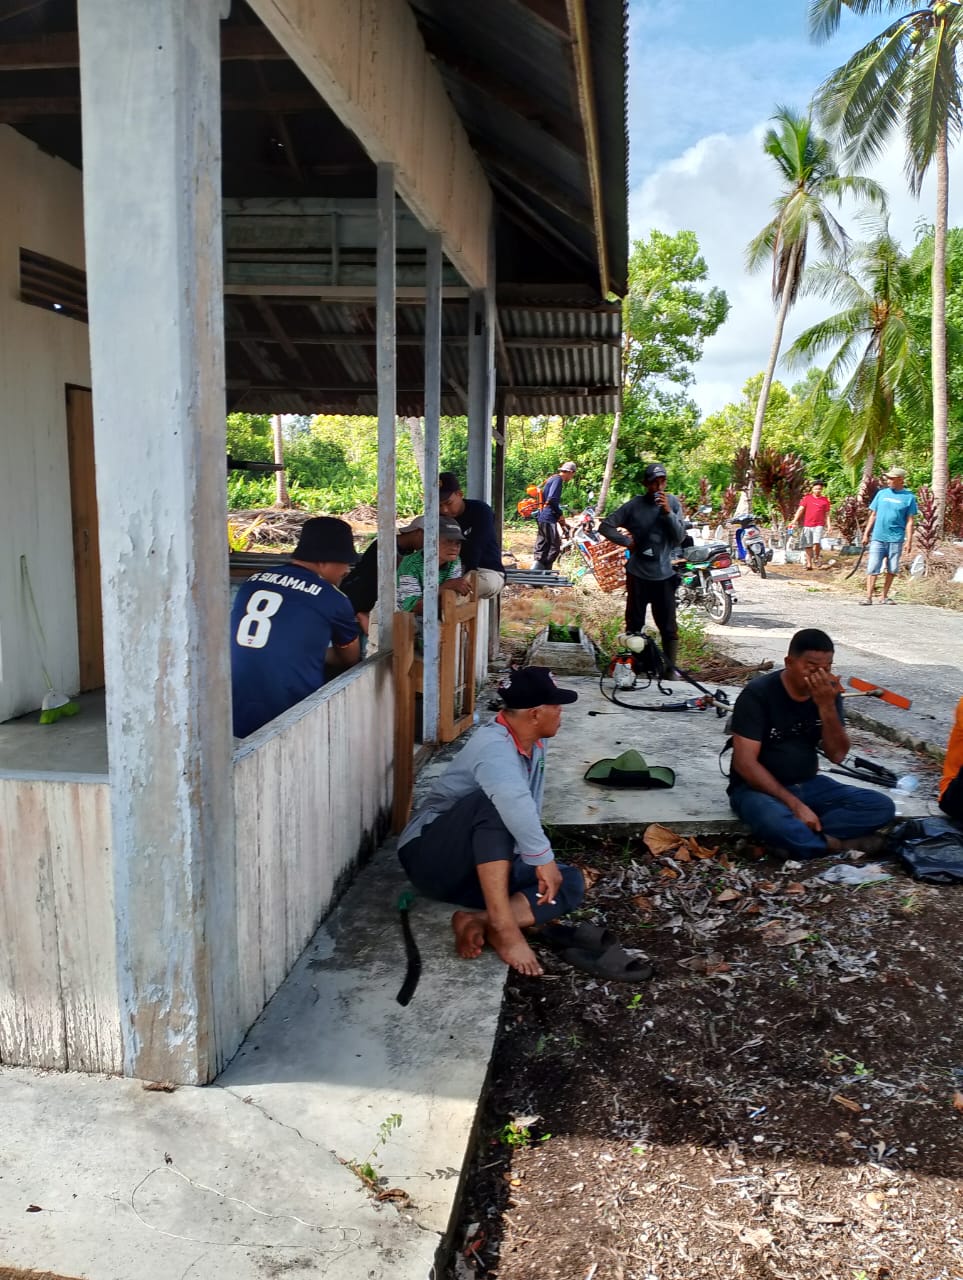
[(47, 283)]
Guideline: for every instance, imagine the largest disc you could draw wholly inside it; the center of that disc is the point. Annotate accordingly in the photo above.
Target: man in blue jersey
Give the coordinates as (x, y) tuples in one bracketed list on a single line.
[(548, 544), (288, 624), (890, 525)]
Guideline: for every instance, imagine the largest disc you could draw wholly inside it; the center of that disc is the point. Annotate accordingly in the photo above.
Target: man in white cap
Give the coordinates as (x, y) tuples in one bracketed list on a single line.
[(548, 544), (889, 527)]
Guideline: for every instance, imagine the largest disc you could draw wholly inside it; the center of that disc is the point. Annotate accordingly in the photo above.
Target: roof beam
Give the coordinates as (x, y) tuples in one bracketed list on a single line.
[(13, 110), (369, 64), (585, 87), (507, 94), (60, 51), (550, 13), (359, 389), (540, 186)]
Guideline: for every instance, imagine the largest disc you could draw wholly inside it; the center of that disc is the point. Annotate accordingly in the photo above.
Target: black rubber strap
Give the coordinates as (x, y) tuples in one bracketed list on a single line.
[(413, 971)]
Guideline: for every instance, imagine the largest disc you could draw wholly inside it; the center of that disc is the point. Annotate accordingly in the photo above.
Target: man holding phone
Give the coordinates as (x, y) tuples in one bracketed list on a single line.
[(654, 526)]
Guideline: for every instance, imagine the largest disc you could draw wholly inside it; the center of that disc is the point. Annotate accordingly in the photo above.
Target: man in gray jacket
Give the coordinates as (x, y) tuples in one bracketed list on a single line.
[(478, 838), (655, 528)]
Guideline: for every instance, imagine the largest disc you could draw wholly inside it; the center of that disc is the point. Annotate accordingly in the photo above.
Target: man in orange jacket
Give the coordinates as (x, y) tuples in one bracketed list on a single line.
[(951, 784)]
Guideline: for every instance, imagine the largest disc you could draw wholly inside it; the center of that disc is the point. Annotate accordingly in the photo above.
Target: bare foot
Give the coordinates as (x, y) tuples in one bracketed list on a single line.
[(469, 928), (514, 950)]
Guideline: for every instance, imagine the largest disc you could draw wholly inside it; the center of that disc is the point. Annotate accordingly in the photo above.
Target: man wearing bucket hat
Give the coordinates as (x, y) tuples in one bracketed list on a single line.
[(548, 544), (890, 525), (655, 526), (361, 584), (478, 839), (289, 624)]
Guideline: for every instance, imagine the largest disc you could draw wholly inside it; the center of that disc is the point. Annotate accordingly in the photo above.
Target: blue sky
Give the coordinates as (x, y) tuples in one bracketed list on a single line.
[(704, 78)]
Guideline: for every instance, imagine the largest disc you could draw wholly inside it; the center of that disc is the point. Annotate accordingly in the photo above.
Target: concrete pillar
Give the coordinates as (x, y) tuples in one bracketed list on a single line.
[(387, 399), (150, 85), (481, 386), (433, 264)]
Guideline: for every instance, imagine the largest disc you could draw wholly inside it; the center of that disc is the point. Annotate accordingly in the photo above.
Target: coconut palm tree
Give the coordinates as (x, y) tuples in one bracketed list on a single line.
[(877, 372), (908, 75), (811, 177)]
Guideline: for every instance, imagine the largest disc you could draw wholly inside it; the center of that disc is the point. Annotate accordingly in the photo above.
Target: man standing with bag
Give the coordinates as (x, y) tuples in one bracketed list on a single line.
[(655, 527), (548, 544), (891, 520)]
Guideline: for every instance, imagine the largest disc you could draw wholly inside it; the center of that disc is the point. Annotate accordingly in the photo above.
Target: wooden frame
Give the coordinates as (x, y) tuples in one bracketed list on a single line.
[(459, 616)]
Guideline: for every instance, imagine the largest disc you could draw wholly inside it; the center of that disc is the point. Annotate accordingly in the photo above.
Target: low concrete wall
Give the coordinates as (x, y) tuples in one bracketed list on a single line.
[(58, 969), (312, 795)]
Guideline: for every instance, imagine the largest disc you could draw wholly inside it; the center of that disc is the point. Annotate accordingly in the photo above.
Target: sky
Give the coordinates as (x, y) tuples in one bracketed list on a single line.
[(704, 78)]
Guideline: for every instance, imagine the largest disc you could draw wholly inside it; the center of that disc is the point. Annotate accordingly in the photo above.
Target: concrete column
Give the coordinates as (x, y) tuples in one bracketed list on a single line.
[(430, 693), (387, 400), (480, 385), (150, 86)]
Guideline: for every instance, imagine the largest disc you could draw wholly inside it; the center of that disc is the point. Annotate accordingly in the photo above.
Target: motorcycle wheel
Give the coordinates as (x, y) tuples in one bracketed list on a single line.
[(759, 565), (718, 605)]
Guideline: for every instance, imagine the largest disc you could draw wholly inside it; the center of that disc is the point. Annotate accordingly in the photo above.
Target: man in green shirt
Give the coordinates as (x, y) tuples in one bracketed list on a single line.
[(411, 571)]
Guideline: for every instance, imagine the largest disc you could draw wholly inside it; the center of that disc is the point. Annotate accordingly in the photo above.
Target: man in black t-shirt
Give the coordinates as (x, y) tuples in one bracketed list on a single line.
[(480, 552), (778, 723)]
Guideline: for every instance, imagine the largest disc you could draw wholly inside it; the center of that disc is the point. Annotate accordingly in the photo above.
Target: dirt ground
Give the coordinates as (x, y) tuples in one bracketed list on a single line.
[(784, 1100)]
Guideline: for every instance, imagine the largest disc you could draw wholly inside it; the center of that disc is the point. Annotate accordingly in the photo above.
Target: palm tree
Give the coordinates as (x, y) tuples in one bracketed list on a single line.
[(908, 74), (810, 177), (878, 360)]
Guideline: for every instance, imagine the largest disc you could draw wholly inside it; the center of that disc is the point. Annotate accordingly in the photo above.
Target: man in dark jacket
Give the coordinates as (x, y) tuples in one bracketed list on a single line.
[(655, 527), (480, 552), (548, 544)]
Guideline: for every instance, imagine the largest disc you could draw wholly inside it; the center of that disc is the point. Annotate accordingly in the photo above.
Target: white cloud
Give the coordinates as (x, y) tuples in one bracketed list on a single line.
[(722, 188)]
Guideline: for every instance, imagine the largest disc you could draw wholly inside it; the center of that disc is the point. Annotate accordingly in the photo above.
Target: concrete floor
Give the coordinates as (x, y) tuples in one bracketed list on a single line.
[(75, 747), (246, 1178)]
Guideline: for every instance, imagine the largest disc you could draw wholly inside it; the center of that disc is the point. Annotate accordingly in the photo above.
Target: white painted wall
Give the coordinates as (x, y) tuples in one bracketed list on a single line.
[(40, 353)]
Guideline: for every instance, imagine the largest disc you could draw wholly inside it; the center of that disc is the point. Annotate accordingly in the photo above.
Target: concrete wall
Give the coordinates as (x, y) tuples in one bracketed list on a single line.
[(312, 793), (58, 969), (40, 352)]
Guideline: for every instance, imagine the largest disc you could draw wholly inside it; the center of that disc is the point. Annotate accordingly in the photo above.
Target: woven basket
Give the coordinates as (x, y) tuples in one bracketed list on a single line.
[(608, 565)]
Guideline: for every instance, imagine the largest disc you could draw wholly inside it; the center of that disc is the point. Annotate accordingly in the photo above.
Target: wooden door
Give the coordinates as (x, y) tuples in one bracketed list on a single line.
[(83, 507)]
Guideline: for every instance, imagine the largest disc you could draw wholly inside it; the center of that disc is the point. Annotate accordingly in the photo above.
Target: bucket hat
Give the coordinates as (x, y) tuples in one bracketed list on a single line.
[(630, 770), (326, 539)]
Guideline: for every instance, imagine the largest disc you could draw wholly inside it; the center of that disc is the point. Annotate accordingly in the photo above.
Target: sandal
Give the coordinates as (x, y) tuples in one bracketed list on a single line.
[(583, 936), (613, 965)]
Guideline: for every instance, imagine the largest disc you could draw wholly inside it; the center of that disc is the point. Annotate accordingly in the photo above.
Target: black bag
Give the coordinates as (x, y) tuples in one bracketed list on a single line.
[(931, 849)]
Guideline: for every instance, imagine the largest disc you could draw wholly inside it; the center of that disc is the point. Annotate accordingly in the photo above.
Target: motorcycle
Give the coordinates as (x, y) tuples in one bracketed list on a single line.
[(751, 546), (706, 574), (581, 533)]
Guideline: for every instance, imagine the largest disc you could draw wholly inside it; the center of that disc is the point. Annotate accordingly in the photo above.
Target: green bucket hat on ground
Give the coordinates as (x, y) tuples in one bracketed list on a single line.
[(630, 770)]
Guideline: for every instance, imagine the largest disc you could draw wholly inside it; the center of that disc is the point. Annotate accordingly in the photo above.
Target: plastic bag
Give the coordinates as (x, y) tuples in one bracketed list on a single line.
[(918, 567), (931, 849)]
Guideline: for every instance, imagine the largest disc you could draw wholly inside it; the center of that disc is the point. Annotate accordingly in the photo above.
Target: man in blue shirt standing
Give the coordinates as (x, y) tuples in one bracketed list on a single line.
[(288, 623), (890, 524), (548, 544)]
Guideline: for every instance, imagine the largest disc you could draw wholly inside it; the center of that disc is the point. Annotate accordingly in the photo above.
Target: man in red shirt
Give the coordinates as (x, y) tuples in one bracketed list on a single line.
[(813, 514)]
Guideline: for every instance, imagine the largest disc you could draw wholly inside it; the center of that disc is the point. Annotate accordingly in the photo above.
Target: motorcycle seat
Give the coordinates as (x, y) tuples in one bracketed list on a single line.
[(700, 555)]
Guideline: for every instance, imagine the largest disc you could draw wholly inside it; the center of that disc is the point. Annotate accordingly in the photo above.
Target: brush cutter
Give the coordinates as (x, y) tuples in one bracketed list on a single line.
[(863, 689)]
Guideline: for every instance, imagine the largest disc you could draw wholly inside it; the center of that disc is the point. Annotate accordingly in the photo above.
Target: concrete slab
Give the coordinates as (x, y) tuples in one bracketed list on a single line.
[(255, 1185), (572, 657), (75, 747)]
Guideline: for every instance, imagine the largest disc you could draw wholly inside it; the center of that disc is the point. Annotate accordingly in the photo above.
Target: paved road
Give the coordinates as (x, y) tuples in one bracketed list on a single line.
[(913, 649)]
